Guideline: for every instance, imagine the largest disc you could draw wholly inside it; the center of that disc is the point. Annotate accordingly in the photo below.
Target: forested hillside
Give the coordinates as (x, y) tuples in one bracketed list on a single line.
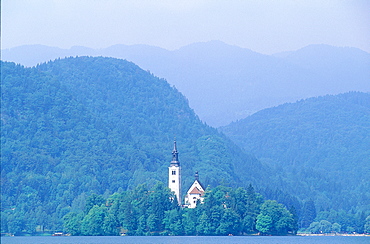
[(78, 126), (80, 135), (223, 82), (320, 145)]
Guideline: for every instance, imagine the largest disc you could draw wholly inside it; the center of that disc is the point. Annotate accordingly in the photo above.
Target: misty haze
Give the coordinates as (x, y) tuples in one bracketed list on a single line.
[(195, 118)]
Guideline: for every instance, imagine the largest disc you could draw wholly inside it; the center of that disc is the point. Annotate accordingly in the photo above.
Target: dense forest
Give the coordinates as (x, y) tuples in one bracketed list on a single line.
[(321, 146), (79, 137), (225, 82), (143, 211), (79, 126)]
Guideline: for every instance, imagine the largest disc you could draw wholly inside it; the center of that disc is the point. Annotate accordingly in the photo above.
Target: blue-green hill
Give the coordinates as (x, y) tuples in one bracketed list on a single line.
[(223, 82), (85, 125), (320, 146)]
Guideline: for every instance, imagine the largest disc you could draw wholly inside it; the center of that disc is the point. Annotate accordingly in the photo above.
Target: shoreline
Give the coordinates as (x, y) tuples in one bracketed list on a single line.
[(331, 234)]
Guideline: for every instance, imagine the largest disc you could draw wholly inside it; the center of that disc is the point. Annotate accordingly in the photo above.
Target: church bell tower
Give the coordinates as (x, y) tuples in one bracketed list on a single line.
[(174, 174)]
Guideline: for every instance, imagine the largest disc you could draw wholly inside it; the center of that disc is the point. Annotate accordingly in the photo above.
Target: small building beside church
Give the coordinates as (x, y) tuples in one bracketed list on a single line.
[(195, 193)]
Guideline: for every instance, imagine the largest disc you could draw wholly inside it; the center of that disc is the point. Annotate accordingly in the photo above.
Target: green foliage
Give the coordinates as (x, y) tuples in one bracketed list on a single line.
[(93, 223), (367, 225), (189, 221), (137, 212), (323, 226), (75, 130), (144, 211), (348, 221), (274, 219), (264, 224), (336, 227), (318, 149), (225, 211), (173, 221), (308, 213), (78, 126), (93, 200), (72, 223)]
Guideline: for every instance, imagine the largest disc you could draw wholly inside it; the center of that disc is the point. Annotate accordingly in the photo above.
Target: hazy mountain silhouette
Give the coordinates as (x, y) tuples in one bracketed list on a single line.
[(320, 143), (223, 82)]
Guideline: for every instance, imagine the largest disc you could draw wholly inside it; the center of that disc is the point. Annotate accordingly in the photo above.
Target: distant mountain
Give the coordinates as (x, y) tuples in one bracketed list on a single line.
[(343, 69), (224, 83), (321, 144), (31, 55), (85, 125)]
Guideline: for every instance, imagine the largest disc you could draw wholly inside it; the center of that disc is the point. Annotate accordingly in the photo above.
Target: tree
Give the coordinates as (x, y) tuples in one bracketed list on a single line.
[(72, 223), (92, 224), (15, 223), (264, 224), (93, 200), (189, 219), (247, 205), (204, 226), (110, 225), (314, 228), (367, 225), (293, 211), (308, 213), (141, 227), (173, 222), (129, 217), (336, 227), (229, 224), (274, 219), (159, 201), (325, 226), (152, 222)]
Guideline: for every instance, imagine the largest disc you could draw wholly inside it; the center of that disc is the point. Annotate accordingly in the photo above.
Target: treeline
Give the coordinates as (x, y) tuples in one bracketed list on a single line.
[(340, 221), (77, 126), (155, 211), (319, 148), (226, 211)]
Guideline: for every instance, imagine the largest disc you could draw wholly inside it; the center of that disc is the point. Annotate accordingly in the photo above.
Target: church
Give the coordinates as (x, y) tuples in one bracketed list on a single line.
[(195, 193)]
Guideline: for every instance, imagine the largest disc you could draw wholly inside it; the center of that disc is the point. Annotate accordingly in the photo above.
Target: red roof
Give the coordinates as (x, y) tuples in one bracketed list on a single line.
[(196, 191)]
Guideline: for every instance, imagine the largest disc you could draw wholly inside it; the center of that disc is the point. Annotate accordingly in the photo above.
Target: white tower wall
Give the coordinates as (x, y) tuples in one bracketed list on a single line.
[(174, 174), (174, 181)]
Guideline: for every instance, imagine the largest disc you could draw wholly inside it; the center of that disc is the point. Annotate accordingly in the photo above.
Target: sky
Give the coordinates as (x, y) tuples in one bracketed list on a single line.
[(264, 26)]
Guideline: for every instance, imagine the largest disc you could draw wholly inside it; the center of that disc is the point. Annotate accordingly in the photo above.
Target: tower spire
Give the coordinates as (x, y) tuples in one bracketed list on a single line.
[(175, 154), (174, 174)]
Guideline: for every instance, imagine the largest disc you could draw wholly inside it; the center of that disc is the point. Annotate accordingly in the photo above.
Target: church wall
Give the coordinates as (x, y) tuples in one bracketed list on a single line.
[(174, 181)]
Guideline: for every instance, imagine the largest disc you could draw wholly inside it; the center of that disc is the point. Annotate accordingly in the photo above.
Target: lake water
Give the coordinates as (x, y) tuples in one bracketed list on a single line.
[(185, 239)]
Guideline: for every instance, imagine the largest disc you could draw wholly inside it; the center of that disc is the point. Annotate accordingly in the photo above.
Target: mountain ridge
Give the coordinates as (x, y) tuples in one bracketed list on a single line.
[(224, 83), (321, 142), (84, 125)]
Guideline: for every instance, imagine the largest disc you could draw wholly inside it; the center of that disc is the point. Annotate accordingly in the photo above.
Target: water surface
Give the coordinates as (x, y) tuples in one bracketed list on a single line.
[(185, 239)]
